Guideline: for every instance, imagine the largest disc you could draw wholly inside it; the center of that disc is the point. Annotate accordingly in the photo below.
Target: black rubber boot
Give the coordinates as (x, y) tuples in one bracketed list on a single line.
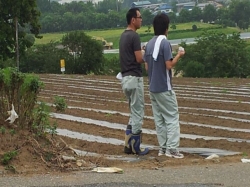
[(135, 145)]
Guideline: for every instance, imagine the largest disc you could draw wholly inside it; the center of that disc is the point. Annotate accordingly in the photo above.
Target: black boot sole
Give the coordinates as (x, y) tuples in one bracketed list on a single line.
[(127, 150)]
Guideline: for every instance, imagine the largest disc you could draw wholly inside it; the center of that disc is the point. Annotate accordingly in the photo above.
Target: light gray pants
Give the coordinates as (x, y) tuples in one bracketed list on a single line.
[(166, 117), (133, 88)]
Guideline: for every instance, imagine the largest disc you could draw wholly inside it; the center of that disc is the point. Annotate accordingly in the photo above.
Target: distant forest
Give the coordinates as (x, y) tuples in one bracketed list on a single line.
[(107, 14)]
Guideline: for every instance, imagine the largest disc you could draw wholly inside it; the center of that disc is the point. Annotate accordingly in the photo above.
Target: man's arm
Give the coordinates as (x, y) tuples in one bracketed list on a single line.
[(146, 66), (171, 63), (138, 51), (139, 56)]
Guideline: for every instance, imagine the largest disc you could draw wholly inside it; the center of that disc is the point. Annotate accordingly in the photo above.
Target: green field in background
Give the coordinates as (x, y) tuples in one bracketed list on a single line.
[(113, 35)]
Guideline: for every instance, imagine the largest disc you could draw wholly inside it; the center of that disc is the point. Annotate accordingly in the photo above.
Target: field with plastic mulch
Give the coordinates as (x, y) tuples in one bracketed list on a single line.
[(214, 119)]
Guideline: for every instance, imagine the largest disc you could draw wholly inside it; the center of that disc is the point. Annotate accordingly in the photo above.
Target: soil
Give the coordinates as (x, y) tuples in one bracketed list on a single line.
[(208, 102)]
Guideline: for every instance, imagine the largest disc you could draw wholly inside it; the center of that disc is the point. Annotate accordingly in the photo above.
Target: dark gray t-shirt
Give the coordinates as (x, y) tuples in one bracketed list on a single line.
[(129, 43), (160, 79)]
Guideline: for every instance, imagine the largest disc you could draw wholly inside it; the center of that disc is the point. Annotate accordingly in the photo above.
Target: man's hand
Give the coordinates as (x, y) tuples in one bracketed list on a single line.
[(181, 51)]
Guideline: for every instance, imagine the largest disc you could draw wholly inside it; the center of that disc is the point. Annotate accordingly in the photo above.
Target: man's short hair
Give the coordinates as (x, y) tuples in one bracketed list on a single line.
[(161, 24), (131, 14)]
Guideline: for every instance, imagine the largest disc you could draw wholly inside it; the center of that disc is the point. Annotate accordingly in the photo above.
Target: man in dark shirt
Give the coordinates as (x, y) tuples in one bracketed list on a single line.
[(131, 57)]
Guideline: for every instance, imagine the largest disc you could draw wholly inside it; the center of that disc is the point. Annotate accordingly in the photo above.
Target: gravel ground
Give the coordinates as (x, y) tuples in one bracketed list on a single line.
[(229, 175)]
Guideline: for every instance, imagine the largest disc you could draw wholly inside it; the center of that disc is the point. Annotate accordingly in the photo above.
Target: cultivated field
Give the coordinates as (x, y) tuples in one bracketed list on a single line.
[(214, 118)]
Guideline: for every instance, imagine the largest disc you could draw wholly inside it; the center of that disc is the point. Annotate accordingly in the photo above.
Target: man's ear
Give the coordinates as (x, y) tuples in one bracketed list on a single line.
[(166, 33)]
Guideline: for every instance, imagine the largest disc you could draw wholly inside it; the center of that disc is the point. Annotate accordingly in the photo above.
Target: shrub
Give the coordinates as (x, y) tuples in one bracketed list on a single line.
[(41, 119), (60, 104), (173, 26), (194, 69), (22, 91), (194, 28), (7, 157)]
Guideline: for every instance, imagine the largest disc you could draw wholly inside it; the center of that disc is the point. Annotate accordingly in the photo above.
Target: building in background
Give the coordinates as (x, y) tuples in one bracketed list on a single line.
[(69, 1), (140, 4)]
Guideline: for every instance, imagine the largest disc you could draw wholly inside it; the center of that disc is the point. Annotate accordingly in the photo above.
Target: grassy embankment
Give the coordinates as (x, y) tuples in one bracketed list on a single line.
[(113, 35)]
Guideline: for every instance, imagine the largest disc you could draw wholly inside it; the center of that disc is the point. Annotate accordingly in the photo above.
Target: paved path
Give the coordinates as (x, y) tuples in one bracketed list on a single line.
[(226, 175), (178, 41)]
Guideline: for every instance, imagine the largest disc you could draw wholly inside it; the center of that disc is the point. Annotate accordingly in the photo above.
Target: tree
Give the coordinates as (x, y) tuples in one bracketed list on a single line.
[(147, 17), (106, 5), (43, 5), (102, 20), (209, 13), (217, 55), (127, 3), (172, 16), (79, 19), (239, 12), (88, 52), (68, 20), (223, 13), (56, 7), (224, 18), (196, 14), (26, 14), (113, 19), (173, 3), (184, 16), (243, 25), (46, 59)]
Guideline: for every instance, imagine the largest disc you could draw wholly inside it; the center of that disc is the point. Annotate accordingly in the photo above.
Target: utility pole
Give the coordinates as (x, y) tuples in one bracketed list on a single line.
[(17, 61), (17, 44)]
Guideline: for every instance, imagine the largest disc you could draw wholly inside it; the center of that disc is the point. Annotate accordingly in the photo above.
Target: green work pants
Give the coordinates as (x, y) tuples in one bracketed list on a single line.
[(166, 117), (133, 88)]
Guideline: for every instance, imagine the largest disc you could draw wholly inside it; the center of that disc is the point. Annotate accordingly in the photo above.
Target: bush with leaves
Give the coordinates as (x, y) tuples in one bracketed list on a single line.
[(194, 28), (41, 124), (46, 58), (218, 54), (88, 52), (60, 103), (7, 157), (173, 26), (194, 69), (22, 91), (111, 64)]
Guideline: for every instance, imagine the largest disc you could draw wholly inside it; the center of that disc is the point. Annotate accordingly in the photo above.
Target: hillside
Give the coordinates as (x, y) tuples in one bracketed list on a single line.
[(113, 35)]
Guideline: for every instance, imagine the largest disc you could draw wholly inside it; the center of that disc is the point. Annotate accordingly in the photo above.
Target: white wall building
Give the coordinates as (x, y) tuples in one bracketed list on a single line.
[(69, 1)]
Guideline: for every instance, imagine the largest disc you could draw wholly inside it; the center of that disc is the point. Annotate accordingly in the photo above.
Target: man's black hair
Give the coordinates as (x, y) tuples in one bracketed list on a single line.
[(132, 13)]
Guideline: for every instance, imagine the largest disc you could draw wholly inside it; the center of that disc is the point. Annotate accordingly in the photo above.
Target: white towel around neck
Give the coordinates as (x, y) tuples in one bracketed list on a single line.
[(157, 46)]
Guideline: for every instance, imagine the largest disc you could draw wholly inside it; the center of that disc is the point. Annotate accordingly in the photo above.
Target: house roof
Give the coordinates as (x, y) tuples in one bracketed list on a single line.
[(186, 4), (164, 6), (141, 3)]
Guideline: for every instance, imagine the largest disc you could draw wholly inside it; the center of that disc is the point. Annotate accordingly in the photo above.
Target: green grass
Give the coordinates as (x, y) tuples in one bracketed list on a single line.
[(113, 35), (111, 55), (228, 30), (48, 37), (189, 25)]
